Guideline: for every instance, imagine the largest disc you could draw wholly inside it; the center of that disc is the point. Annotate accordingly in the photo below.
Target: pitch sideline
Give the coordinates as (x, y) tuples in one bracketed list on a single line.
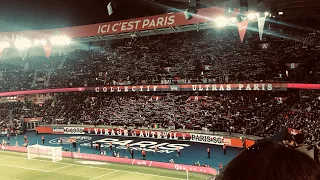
[(167, 177), (21, 167), (104, 175), (61, 167)]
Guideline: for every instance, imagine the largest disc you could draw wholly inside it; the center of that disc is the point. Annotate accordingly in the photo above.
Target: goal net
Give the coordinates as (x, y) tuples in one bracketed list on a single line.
[(35, 151)]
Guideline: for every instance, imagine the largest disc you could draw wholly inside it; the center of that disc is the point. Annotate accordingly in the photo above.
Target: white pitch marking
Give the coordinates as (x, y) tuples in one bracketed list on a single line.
[(94, 167), (5, 158), (61, 167), (104, 175), (20, 167), (10, 178)]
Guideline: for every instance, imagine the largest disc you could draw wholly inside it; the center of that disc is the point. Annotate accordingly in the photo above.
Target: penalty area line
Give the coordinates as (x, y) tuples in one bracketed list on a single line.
[(104, 175), (21, 167), (166, 177), (61, 167), (5, 158), (4, 177)]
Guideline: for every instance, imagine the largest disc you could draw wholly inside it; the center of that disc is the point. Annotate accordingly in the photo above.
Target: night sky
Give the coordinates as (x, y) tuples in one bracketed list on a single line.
[(18, 15), (39, 14)]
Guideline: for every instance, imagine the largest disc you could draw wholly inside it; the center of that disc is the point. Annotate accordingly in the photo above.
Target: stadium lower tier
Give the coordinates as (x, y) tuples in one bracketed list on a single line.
[(191, 152)]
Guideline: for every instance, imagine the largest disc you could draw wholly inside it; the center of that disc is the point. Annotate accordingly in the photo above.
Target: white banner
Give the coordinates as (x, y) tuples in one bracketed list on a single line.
[(59, 130), (74, 130), (261, 22), (209, 139)]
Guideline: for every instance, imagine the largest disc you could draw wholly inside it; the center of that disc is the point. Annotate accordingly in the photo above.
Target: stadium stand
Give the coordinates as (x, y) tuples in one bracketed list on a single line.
[(201, 57), (142, 61), (219, 58)]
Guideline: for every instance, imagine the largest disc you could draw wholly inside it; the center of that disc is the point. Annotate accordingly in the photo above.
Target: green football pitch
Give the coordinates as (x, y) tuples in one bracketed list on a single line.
[(16, 166)]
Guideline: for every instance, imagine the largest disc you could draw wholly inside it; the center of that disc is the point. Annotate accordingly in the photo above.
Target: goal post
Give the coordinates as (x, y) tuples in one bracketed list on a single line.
[(54, 153)]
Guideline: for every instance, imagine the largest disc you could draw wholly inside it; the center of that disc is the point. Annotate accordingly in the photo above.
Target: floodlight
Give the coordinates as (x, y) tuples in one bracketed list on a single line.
[(22, 43), (221, 21), (4, 45), (60, 40), (266, 13), (233, 20), (36, 42), (251, 16), (43, 42), (280, 13)]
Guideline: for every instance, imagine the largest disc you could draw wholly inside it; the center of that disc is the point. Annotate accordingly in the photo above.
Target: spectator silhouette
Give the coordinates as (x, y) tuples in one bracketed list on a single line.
[(267, 160)]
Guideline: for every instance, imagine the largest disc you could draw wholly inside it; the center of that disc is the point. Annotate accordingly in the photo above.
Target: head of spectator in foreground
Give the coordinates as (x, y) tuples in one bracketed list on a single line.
[(267, 160), (299, 139), (288, 141), (299, 142)]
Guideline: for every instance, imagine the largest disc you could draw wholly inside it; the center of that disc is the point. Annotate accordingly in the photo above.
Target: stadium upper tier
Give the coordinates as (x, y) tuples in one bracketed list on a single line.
[(206, 56)]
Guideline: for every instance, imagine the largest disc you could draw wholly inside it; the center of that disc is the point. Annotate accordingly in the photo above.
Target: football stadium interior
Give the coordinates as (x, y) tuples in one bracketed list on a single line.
[(160, 89)]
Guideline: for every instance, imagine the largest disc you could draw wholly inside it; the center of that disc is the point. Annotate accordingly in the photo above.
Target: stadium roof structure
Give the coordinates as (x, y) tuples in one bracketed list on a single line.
[(160, 24)]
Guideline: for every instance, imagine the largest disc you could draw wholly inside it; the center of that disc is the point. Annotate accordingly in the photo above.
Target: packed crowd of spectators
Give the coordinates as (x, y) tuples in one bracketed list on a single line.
[(205, 56), (304, 115), (233, 112)]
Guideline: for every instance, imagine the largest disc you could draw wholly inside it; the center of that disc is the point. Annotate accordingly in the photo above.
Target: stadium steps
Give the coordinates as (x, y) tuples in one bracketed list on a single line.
[(58, 115), (288, 103), (33, 83)]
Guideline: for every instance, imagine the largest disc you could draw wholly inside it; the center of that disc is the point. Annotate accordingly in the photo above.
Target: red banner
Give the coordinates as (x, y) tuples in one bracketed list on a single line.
[(200, 87), (303, 86), (45, 129), (138, 162), (242, 28), (42, 91), (196, 87), (47, 49), (248, 143), (130, 25), (293, 131), (34, 119)]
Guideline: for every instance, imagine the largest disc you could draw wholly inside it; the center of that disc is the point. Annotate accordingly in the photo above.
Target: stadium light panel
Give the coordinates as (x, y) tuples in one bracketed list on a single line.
[(280, 13), (251, 16), (222, 21), (233, 20), (22, 43), (38, 42), (4, 45), (60, 40)]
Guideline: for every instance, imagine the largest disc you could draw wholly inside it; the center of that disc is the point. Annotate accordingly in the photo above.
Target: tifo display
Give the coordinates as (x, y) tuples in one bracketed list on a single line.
[(202, 92)]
